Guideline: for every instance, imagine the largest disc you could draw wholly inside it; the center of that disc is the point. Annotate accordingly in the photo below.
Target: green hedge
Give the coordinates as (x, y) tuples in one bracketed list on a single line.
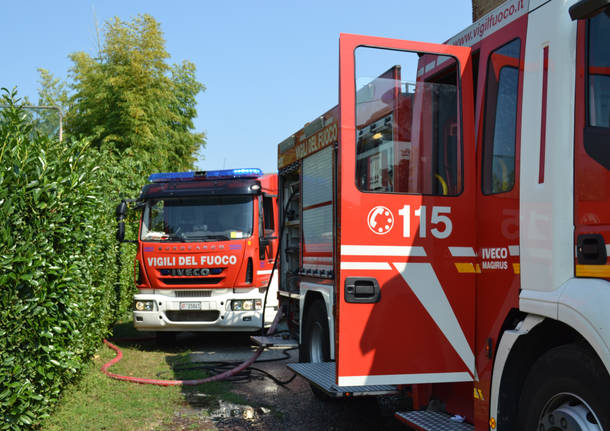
[(60, 284)]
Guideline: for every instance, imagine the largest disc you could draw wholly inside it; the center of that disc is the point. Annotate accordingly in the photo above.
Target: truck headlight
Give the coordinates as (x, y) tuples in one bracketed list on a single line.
[(246, 304), (144, 305)]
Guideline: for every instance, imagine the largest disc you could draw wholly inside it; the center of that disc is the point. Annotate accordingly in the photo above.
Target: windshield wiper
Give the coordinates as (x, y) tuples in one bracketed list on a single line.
[(176, 237)]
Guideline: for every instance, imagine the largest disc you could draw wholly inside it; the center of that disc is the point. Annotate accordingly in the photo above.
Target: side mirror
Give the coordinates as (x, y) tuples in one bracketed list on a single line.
[(120, 233), (121, 213), (121, 210), (265, 242), (262, 247)]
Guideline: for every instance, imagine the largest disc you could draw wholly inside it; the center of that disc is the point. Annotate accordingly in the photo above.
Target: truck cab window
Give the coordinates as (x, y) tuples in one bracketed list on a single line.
[(599, 70), (596, 134), (268, 212), (407, 124), (500, 129)]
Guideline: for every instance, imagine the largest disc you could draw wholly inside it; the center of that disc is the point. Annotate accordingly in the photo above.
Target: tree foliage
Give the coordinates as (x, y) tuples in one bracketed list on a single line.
[(130, 99), (53, 91)]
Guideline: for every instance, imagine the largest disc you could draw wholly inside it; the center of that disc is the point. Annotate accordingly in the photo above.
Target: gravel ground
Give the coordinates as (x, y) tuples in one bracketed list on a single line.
[(277, 407)]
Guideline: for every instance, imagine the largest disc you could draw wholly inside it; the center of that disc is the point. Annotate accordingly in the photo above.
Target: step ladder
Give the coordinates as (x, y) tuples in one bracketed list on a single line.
[(426, 420), (322, 375)]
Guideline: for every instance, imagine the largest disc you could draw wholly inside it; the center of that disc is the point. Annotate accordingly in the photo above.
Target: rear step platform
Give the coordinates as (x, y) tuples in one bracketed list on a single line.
[(322, 375), (426, 420), (274, 341)]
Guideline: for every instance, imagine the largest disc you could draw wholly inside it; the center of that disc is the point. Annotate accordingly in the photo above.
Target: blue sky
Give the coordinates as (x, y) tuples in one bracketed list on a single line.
[(269, 66)]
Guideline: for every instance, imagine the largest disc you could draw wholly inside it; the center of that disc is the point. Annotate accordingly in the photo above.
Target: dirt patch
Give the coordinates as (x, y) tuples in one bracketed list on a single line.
[(294, 407), (272, 406), (190, 419)]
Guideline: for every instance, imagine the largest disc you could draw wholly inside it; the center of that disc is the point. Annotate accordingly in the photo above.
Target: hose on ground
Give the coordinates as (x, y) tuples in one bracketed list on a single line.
[(163, 382), (217, 367)]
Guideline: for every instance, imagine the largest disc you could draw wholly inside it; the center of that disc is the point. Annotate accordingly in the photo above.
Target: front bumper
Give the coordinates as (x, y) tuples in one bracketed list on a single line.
[(170, 313)]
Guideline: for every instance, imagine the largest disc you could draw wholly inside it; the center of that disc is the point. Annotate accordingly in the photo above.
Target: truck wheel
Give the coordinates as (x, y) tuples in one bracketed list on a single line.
[(566, 390), (165, 339), (315, 344)]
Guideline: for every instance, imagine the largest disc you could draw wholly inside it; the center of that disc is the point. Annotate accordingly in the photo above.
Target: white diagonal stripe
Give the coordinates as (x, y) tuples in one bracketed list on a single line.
[(365, 265), (422, 280), (382, 250), (462, 252), (513, 250), (404, 379)]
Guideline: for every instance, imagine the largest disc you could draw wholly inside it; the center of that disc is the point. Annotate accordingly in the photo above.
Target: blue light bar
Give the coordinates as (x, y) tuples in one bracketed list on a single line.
[(234, 173), (164, 177)]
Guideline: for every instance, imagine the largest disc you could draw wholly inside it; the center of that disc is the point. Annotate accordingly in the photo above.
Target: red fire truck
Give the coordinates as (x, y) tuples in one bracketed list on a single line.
[(448, 224), (206, 252)]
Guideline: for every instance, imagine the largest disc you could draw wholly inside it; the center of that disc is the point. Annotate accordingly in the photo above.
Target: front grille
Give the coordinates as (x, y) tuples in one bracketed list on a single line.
[(193, 293), (193, 316), (187, 281), (190, 272)]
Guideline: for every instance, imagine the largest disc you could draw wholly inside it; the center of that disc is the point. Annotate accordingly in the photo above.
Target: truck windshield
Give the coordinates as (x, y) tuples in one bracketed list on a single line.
[(210, 218)]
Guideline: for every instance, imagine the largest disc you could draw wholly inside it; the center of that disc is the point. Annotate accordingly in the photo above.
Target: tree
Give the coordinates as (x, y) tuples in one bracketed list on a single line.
[(129, 99), (53, 91)]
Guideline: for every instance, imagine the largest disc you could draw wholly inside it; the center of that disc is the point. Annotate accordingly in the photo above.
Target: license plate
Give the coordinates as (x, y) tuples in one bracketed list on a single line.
[(190, 305)]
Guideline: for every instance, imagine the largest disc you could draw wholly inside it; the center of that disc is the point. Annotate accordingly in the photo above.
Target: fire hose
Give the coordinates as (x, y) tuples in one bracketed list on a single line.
[(163, 382)]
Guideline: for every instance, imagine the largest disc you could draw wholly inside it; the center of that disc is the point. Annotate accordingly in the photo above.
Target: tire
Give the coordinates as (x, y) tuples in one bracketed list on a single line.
[(165, 339), (315, 344), (566, 390)]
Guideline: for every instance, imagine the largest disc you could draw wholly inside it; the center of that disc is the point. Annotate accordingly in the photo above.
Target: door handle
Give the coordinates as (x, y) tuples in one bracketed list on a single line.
[(591, 249), (362, 290)]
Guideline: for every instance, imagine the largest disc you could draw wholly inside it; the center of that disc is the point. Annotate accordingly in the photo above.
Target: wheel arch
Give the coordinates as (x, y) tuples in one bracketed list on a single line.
[(313, 292), (518, 349), (310, 298)]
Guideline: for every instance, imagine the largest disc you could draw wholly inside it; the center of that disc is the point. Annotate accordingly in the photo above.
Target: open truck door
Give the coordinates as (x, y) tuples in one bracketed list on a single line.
[(406, 206)]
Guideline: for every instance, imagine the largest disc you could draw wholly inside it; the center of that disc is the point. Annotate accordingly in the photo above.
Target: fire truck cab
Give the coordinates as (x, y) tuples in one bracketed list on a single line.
[(206, 252), (448, 224)]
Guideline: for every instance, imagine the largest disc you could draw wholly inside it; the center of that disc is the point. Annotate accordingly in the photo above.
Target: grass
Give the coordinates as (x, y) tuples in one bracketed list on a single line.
[(98, 402)]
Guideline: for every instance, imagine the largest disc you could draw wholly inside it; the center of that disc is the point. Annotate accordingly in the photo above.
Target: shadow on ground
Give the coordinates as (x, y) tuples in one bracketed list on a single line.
[(252, 400)]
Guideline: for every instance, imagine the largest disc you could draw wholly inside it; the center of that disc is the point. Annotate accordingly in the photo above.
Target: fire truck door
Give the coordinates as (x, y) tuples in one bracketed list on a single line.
[(406, 230)]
